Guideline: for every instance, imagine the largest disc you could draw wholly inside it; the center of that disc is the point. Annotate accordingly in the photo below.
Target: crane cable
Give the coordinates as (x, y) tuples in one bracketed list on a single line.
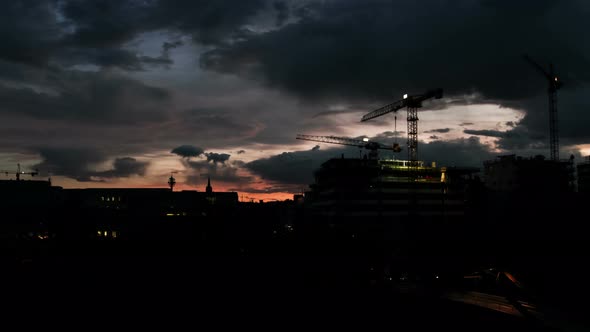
[(395, 128)]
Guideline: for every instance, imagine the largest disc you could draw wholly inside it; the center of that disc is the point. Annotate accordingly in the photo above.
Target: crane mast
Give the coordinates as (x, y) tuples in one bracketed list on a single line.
[(412, 103), (554, 84)]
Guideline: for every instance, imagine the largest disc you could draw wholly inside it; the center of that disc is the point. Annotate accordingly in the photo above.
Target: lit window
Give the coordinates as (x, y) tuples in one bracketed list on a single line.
[(114, 234), (102, 198), (98, 233)]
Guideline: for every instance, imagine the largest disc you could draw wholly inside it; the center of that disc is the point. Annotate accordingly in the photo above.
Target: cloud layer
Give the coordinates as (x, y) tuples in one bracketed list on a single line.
[(102, 90)]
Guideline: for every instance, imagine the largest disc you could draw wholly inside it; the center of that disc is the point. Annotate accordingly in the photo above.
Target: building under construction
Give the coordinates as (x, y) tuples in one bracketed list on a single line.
[(388, 206)]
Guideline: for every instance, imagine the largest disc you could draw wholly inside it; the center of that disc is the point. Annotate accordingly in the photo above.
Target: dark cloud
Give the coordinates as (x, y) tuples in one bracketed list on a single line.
[(187, 151), (111, 22), (241, 151), (573, 116), (522, 139), (463, 124), (161, 61), (282, 12), (29, 31), (198, 170), (217, 157), (296, 167), (331, 113), (439, 131), (106, 57), (87, 96), (315, 148), (341, 48), (511, 124), (464, 152), (95, 32), (458, 152), (105, 23), (434, 137), (80, 164), (489, 133), (70, 162), (208, 22), (167, 46), (124, 167), (213, 122)]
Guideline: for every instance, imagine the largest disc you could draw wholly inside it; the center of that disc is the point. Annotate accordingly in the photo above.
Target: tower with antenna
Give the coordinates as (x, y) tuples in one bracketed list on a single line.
[(171, 181)]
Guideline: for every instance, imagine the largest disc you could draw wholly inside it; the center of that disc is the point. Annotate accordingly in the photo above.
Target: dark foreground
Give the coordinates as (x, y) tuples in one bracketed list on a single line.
[(233, 289)]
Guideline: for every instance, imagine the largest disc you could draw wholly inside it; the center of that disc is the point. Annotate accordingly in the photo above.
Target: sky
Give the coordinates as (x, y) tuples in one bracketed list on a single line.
[(124, 93)]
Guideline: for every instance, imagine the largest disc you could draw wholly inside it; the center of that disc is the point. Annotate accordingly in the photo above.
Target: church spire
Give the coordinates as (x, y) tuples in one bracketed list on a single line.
[(209, 189)]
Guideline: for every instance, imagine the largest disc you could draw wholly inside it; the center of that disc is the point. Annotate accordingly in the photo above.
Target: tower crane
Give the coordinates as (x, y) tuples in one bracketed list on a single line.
[(553, 85), (18, 172), (364, 143), (412, 102)]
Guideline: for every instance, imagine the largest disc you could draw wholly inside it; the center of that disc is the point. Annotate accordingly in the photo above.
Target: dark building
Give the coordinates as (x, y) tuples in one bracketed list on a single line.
[(146, 212), (531, 205), (510, 173), (38, 210), (584, 176), (27, 207)]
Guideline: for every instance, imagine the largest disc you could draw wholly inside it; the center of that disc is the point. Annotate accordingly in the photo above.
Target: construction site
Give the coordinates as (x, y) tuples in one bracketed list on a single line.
[(393, 224)]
